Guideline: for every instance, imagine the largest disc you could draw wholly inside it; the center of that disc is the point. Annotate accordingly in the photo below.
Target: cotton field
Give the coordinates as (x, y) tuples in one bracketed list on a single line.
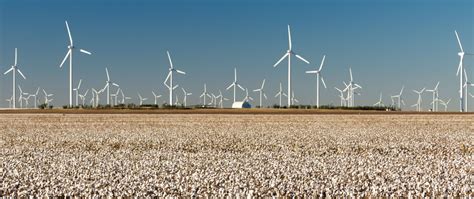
[(220, 155)]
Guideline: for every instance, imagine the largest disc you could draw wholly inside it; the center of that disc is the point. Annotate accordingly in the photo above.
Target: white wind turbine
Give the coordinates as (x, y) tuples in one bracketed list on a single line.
[(341, 96), (185, 96), (288, 54), (419, 100), (21, 98), (318, 76), (247, 97), (83, 97), (107, 85), (262, 92), (214, 100), (293, 98), (47, 98), (156, 97), (280, 94), (221, 99), (379, 103), (141, 99), (350, 89), (461, 54), (9, 100), (235, 83), (204, 94), (76, 90), (124, 98), (71, 48), (435, 97), (445, 104), (35, 96), (170, 77), (14, 68), (114, 97), (466, 85), (399, 98)]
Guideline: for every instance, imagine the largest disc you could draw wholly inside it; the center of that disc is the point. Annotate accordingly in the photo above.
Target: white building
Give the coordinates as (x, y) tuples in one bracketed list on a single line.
[(243, 104)]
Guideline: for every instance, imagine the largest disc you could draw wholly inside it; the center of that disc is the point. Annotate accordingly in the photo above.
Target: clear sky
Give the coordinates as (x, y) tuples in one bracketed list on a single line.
[(387, 43)]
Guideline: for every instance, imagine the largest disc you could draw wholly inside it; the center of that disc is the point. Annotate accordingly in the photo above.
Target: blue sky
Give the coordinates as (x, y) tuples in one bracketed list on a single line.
[(387, 43)]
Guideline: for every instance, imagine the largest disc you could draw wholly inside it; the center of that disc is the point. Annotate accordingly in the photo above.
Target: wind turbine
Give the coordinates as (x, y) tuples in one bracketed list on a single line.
[(35, 96), (279, 94), (156, 97), (114, 97), (341, 95), (141, 99), (9, 100), (466, 84), (47, 100), (235, 83), (418, 102), (222, 98), (71, 48), (124, 97), (185, 96), (247, 97), (204, 94), (350, 89), (170, 77), (445, 104), (288, 54), (262, 92), (318, 76), (379, 103), (435, 97), (83, 97), (458, 73), (21, 98), (293, 99), (399, 98), (107, 85), (77, 91), (14, 68)]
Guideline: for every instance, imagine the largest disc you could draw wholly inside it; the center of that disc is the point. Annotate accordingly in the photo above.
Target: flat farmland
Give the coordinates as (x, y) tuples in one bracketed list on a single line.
[(260, 155)]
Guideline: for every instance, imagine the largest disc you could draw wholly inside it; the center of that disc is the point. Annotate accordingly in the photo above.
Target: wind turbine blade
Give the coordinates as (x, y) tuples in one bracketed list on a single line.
[(19, 71), (281, 59), (79, 85), (324, 83), (322, 63), (85, 52), (263, 84), (115, 84), (311, 71), (107, 72), (235, 74), (358, 85), (242, 88), (9, 70), (65, 57), (167, 77), (459, 41), (153, 93), (284, 94), (289, 37), (350, 72), (277, 94), (69, 33), (256, 90), (175, 86), (436, 87), (264, 95), (169, 58), (230, 86), (16, 56), (301, 58), (182, 72)]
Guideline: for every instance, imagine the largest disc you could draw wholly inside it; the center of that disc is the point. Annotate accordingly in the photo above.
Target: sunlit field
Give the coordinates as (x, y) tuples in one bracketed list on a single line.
[(236, 155)]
